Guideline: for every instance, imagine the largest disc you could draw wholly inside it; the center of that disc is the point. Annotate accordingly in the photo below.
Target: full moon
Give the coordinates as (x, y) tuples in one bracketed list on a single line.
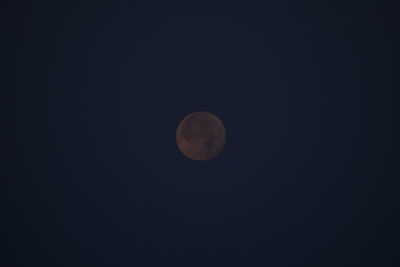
[(200, 136)]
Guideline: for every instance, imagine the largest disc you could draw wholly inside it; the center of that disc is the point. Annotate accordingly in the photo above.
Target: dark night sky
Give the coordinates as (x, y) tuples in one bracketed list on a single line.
[(308, 92)]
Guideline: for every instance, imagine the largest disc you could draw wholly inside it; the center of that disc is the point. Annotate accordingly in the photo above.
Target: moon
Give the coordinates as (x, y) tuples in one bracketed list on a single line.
[(200, 136)]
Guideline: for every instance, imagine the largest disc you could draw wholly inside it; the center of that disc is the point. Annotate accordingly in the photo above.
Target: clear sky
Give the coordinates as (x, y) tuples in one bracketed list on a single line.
[(308, 94)]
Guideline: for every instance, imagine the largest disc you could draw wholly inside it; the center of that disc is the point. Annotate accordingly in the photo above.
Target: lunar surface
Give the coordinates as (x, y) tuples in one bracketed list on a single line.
[(200, 136)]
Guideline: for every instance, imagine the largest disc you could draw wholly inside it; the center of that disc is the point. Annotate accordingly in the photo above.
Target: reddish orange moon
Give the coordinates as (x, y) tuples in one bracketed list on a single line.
[(200, 136)]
